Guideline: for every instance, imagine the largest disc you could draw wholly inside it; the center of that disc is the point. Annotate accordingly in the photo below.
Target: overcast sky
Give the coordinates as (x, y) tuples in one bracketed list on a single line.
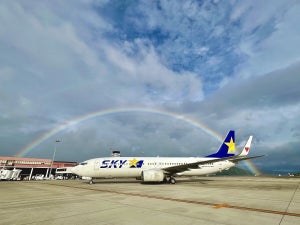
[(225, 64)]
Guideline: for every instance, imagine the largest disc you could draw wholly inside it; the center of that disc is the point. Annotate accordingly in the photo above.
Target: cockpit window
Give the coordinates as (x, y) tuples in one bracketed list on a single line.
[(83, 163)]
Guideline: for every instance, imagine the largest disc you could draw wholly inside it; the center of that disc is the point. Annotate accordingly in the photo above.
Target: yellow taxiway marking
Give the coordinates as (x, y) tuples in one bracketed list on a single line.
[(221, 205)]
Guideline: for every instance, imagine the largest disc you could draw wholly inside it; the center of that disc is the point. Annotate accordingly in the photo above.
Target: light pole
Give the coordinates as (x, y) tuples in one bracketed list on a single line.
[(56, 141)]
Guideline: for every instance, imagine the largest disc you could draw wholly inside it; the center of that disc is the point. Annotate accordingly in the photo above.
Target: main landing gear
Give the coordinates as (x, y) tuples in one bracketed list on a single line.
[(170, 180)]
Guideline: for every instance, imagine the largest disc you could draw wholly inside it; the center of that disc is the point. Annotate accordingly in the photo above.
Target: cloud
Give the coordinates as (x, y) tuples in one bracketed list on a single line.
[(54, 62), (269, 36), (265, 106), (227, 64), (52, 72), (235, 42)]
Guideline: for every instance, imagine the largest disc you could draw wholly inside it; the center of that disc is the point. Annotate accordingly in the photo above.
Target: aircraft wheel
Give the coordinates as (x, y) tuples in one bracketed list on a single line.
[(172, 180), (167, 180), (91, 182)]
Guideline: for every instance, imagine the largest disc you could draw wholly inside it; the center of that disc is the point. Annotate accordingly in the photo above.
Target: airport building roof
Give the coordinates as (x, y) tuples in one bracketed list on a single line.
[(8, 161)]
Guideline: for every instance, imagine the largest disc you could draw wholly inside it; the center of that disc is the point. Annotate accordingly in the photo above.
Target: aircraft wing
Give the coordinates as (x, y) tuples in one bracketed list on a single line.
[(237, 159), (195, 165)]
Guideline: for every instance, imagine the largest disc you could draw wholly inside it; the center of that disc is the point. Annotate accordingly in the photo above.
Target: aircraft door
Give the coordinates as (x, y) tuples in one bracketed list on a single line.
[(97, 165)]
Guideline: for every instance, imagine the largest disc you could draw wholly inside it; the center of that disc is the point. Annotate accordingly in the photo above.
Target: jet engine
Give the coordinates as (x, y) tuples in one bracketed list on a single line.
[(153, 176)]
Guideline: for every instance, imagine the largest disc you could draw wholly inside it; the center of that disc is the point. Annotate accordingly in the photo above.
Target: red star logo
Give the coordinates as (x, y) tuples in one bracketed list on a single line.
[(247, 149)]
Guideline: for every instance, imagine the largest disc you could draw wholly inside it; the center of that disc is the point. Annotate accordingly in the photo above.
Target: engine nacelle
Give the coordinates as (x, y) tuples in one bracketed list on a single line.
[(153, 176)]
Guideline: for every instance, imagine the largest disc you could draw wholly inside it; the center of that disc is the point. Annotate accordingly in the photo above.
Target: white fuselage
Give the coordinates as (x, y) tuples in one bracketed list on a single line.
[(114, 167)]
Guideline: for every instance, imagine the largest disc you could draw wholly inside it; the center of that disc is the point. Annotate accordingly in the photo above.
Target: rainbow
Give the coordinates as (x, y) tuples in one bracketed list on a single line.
[(77, 120), (253, 169)]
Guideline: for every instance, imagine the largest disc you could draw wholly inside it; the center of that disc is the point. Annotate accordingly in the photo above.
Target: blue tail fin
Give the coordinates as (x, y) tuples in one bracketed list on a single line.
[(227, 146)]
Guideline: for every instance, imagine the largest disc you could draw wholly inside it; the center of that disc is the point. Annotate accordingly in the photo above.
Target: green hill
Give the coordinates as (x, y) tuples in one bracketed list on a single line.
[(235, 171)]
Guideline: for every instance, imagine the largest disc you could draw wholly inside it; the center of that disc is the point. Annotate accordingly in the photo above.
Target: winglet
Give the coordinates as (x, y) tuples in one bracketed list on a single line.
[(227, 146), (246, 148)]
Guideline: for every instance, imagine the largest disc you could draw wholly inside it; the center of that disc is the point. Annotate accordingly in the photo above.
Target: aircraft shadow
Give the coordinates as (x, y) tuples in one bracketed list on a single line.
[(132, 181)]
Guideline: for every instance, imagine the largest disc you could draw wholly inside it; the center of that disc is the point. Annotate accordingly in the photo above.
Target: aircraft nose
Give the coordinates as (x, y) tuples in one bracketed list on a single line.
[(75, 170)]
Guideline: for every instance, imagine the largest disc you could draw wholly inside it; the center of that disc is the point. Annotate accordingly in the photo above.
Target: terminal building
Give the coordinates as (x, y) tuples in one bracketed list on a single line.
[(34, 167)]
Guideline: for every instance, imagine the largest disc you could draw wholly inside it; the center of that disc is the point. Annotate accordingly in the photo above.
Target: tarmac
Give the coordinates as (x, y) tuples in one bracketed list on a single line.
[(205, 200)]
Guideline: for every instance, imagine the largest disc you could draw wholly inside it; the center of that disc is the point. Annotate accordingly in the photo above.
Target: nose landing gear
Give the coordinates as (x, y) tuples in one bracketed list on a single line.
[(91, 181)]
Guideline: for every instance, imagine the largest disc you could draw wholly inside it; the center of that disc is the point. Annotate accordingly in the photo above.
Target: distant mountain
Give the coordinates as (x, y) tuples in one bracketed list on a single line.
[(235, 171)]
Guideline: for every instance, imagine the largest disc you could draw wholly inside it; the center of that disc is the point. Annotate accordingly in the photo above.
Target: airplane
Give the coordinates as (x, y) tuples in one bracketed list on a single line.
[(164, 169)]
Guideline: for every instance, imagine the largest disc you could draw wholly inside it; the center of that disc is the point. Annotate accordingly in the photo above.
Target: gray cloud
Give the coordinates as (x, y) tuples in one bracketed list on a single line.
[(238, 70), (267, 107)]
